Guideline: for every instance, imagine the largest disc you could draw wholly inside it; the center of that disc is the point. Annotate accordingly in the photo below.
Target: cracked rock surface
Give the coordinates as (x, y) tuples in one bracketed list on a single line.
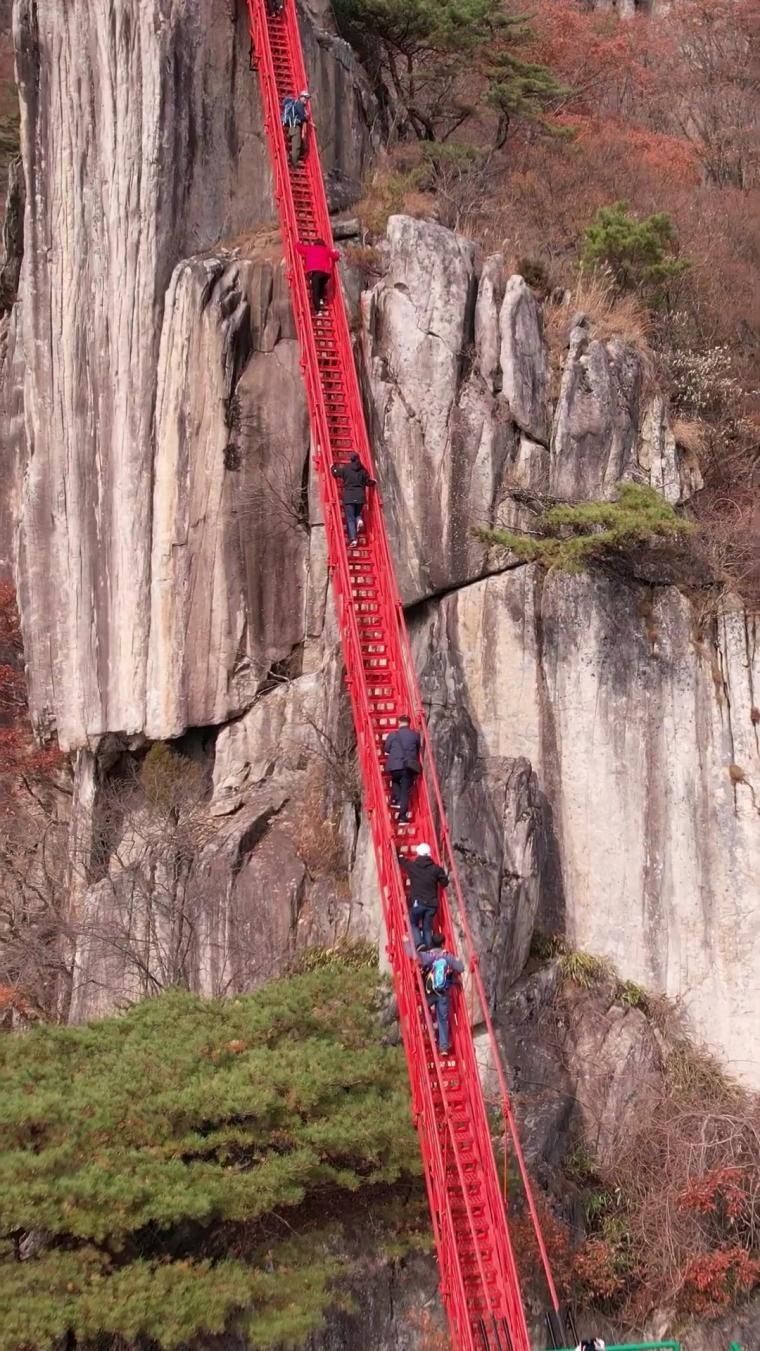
[(644, 743), (173, 165)]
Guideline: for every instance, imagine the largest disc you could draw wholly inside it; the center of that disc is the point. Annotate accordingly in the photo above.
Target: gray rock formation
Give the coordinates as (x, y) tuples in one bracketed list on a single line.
[(230, 538), (114, 203), (222, 885), (582, 1067), (11, 365), (13, 236), (523, 359), (644, 741), (608, 428), (511, 667), (457, 374), (598, 745)]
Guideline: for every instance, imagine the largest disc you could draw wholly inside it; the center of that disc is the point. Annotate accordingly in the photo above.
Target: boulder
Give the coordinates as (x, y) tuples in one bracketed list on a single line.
[(671, 470), (438, 337), (488, 309), (415, 331), (596, 419), (582, 1067), (609, 426)]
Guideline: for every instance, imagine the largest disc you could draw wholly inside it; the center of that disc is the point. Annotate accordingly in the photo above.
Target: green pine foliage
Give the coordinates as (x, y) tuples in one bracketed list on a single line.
[(441, 61), (190, 1167), (639, 254), (573, 536)]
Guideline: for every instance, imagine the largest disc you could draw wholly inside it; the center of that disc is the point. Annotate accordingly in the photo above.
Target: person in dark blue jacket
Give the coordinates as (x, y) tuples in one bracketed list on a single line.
[(402, 762), (441, 969)]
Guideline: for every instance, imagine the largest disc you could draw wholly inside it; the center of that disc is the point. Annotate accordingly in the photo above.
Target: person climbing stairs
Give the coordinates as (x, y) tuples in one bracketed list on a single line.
[(478, 1276)]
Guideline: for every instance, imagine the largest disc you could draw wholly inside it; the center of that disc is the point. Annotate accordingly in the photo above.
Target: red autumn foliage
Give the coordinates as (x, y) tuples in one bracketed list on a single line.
[(714, 1281), (709, 84), (556, 1236), (10, 627), (12, 690), (429, 1335), (602, 62), (597, 1268), (13, 1000), (721, 1191), (654, 152)]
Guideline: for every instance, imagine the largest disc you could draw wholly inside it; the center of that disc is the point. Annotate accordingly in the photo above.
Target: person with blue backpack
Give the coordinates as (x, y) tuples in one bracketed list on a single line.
[(441, 969), (295, 116)]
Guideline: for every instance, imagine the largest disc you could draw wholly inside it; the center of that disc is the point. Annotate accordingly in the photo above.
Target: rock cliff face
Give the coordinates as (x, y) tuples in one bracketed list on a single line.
[(599, 748), (641, 733), (143, 144), (597, 741)]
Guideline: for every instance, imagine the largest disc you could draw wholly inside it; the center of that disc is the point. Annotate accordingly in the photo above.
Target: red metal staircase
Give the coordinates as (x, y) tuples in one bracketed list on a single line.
[(479, 1281)]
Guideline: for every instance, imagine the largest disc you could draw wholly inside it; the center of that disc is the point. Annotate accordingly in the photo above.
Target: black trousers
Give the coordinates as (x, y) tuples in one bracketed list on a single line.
[(402, 783), (319, 282)]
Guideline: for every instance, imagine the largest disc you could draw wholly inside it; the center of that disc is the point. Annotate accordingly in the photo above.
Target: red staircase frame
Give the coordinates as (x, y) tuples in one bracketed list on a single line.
[(479, 1280)]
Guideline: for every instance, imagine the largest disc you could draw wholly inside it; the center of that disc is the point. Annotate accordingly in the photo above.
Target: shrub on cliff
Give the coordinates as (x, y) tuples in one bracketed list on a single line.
[(187, 1168), (574, 535), (673, 1223)]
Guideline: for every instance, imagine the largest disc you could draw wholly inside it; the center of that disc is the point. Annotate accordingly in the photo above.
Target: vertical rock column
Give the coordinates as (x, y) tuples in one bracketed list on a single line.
[(143, 146), (94, 133)]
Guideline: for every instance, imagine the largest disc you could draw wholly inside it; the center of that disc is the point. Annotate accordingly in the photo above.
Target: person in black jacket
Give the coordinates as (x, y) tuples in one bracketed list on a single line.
[(356, 480), (402, 762), (425, 877)]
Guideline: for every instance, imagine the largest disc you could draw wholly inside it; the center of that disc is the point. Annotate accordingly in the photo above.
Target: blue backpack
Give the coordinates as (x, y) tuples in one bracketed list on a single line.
[(437, 979)]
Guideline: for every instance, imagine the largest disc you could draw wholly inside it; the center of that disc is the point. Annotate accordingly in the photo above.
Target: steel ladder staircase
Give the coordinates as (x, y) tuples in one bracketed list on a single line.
[(479, 1280)]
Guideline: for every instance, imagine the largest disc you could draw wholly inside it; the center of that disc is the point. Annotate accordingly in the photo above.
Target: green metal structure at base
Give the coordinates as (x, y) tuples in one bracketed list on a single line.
[(654, 1346), (648, 1346)]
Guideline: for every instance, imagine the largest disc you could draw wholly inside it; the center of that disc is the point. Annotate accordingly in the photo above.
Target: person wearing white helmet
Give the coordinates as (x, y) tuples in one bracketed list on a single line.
[(425, 878)]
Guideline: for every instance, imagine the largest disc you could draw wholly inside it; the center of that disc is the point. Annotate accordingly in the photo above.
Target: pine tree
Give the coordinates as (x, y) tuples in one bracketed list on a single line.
[(435, 64), (638, 253), (155, 1169)]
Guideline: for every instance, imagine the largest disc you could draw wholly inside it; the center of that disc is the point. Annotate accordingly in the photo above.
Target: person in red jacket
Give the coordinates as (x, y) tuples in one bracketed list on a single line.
[(320, 264)]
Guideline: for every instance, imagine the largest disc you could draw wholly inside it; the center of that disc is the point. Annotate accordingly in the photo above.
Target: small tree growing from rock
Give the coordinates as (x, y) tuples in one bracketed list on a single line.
[(573, 536)]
